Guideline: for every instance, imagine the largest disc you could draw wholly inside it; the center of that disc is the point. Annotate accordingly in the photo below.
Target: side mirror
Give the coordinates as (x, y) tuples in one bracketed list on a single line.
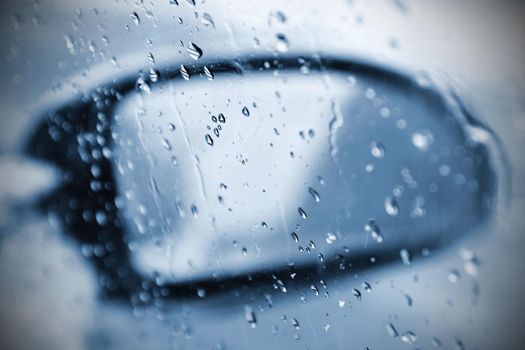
[(261, 171)]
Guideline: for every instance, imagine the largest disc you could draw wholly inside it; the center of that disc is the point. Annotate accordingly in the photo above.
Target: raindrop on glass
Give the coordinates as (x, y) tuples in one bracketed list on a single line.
[(207, 20), (194, 51), (209, 140), (374, 231), (295, 324), (405, 257), (135, 17), (314, 194), (391, 206), (142, 86), (436, 342), (154, 75), (281, 44), (422, 139), (184, 72), (209, 73), (408, 337), (453, 276), (377, 149), (330, 238), (166, 144), (250, 317), (194, 211), (391, 330), (302, 213)]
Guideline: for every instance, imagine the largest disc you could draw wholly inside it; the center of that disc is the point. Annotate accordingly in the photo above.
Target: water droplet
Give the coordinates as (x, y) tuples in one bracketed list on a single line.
[(314, 194), (194, 211), (302, 213), (154, 75), (194, 51), (135, 17), (142, 86), (471, 267), (436, 342), (145, 297), (114, 62), (151, 58), (201, 293), (375, 232), (405, 257), (209, 140), (207, 20), (209, 73), (295, 237), (408, 299), (370, 93), (281, 44), (356, 293), (408, 337), (367, 287), (314, 289), (101, 218), (425, 252), (95, 171), (250, 317), (281, 17), (305, 67), (444, 170), (391, 330), (377, 149), (418, 207), (422, 139), (459, 345), (453, 276), (330, 238), (245, 111), (295, 324), (391, 206), (184, 72), (385, 112), (166, 144)]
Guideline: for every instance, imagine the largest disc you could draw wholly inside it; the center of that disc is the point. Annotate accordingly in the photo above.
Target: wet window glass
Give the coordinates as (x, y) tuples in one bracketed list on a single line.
[(230, 175)]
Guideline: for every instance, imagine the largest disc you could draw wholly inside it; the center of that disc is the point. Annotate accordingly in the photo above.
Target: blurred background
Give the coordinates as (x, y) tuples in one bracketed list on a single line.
[(466, 295)]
